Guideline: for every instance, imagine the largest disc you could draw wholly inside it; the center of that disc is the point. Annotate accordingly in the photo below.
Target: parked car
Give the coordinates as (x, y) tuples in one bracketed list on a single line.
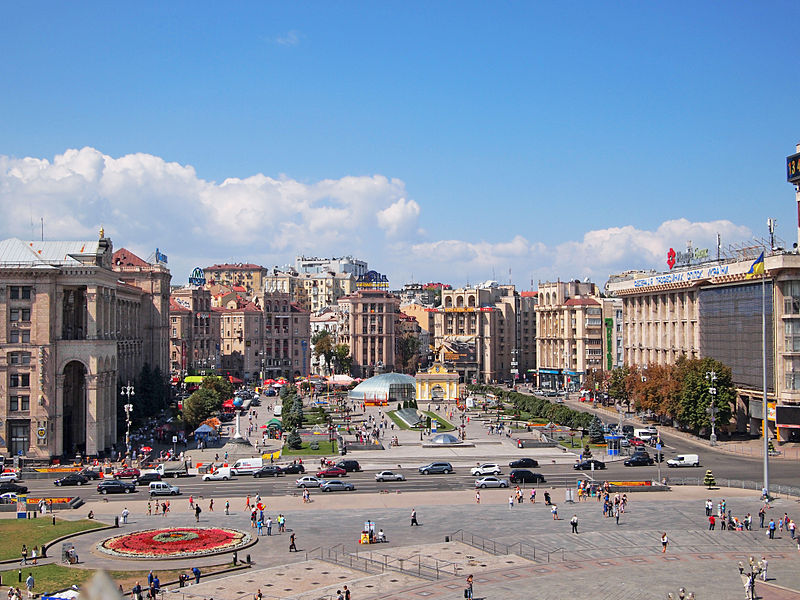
[(162, 488), (524, 463), (293, 469), (307, 481), (684, 460), (587, 465), (115, 486), (129, 473), (486, 469), (337, 485), (147, 478), (349, 465), (389, 476), (525, 476), (332, 472), (436, 467), (491, 481), (10, 486), (624, 443), (71, 479), (90, 474), (269, 471), (638, 460)]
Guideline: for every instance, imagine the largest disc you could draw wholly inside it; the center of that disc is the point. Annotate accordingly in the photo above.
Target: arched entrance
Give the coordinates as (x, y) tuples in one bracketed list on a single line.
[(437, 393), (74, 408)]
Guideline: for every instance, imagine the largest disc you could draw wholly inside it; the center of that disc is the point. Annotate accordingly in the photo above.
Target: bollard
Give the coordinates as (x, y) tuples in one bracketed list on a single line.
[(29, 516), (248, 559), (235, 558), (19, 576), (36, 514), (116, 521), (44, 551), (54, 520), (446, 538)]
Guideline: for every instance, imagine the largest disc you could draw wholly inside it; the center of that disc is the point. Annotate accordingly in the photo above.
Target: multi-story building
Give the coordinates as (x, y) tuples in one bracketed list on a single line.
[(427, 294), (369, 328), (247, 275), (569, 333), (346, 265), (311, 291), (714, 309), (194, 332), (71, 332), (613, 348), (328, 320), (241, 334), (475, 332), (526, 337)]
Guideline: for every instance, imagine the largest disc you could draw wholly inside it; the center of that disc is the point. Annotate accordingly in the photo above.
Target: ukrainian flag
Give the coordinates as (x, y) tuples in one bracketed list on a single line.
[(757, 268)]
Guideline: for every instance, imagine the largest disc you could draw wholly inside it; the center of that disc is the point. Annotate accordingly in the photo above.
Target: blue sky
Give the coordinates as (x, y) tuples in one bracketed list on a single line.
[(439, 141)]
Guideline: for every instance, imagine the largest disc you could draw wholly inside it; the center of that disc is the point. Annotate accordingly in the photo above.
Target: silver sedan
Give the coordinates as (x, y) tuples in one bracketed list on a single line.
[(492, 481)]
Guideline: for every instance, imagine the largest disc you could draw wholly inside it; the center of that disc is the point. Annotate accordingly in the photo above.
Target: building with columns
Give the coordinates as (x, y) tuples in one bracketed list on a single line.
[(70, 332)]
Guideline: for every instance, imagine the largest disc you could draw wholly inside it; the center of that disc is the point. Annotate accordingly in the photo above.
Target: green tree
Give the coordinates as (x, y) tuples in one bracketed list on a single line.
[(618, 386), (294, 441), (696, 383), (322, 343), (408, 353), (221, 387), (596, 430), (342, 359), (198, 407)]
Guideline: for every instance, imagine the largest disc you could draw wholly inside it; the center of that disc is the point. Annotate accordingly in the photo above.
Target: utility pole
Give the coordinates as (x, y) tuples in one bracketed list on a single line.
[(711, 376), (127, 390)]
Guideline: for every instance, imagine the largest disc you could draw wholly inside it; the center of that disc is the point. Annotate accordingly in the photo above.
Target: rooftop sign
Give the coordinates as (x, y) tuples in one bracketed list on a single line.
[(793, 168), (197, 277)]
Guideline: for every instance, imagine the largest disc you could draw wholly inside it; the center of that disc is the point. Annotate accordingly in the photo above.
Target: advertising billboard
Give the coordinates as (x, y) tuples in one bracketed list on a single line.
[(459, 349)]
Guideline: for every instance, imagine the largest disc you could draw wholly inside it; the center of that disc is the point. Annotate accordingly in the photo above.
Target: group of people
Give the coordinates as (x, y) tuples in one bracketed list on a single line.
[(14, 593), (35, 553)]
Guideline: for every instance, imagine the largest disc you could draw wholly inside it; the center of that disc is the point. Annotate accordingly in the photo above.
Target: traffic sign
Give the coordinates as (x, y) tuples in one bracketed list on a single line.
[(658, 446)]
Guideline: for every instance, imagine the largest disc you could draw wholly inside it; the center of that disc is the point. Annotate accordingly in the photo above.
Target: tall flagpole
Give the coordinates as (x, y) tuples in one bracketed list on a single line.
[(765, 421)]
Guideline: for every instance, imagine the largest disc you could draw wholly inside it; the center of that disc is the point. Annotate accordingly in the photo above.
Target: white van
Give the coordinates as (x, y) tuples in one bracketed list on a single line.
[(684, 460), (219, 474), (247, 466), (277, 410), (646, 434)]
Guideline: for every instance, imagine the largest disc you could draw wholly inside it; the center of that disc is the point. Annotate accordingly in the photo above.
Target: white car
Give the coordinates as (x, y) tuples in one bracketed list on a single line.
[(8, 496), (9, 476), (486, 469), (308, 481), (491, 481), (389, 476)]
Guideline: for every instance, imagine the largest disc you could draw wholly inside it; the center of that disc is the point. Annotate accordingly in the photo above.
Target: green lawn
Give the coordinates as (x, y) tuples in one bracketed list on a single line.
[(397, 420), (35, 532), (54, 577), (444, 425), (325, 448)]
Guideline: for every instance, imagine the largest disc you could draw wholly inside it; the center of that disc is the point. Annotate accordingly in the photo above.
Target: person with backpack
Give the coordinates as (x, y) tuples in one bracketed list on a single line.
[(197, 511)]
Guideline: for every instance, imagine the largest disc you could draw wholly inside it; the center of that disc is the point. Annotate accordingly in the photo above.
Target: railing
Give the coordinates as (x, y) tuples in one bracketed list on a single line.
[(375, 562), (786, 490), (522, 549)]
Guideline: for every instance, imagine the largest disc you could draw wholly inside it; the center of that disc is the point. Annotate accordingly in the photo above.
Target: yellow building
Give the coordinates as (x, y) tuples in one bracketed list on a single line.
[(437, 384)]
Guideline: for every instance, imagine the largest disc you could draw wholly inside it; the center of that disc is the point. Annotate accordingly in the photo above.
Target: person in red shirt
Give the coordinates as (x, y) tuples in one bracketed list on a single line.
[(712, 522)]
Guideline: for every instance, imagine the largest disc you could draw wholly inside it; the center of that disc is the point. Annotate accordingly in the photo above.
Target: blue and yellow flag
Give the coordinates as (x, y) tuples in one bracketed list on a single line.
[(757, 268)]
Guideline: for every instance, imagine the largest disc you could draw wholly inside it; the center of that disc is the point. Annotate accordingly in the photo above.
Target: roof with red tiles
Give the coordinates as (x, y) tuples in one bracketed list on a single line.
[(125, 258), (175, 307), (581, 302), (529, 294), (234, 267)]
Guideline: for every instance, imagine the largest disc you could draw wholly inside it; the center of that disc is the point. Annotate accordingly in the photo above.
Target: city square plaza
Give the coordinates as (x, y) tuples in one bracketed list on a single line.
[(526, 553)]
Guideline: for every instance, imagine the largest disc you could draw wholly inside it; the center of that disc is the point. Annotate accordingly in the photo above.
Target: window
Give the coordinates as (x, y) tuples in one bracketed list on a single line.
[(19, 358), (17, 336), (174, 332), (20, 314), (16, 380), (19, 403), (20, 292)]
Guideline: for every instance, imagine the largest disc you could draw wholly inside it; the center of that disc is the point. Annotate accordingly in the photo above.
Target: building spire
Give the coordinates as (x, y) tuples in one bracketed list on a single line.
[(102, 232)]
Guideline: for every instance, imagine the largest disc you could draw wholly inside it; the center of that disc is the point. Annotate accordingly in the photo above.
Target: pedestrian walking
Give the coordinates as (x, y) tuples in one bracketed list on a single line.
[(616, 515), (468, 591), (771, 528), (34, 554), (29, 584), (197, 511), (792, 528), (709, 507), (269, 525), (712, 522), (227, 507), (247, 502), (414, 517), (24, 554), (511, 502), (477, 497), (664, 541), (764, 564), (762, 513), (292, 545), (191, 502), (574, 522), (211, 505), (346, 593), (554, 511), (149, 509), (125, 513), (533, 495)]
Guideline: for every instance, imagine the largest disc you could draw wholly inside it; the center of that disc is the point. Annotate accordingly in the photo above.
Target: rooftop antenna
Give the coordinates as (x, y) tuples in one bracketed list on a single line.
[(509, 276), (42, 219), (719, 245), (771, 226)]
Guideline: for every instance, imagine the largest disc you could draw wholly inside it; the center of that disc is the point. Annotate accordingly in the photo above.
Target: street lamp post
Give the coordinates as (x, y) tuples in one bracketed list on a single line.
[(127, 390), (712, 410)]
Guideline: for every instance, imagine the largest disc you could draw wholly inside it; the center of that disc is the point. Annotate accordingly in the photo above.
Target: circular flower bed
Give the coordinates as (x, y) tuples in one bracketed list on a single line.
[(175, 542)]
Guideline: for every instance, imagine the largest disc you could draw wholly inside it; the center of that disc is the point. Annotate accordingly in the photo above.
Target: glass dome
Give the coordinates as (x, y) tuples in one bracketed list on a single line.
[(394, 387), (445, 438)]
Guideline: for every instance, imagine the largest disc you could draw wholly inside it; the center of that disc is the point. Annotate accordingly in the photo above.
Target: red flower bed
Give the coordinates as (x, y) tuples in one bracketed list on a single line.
[(174, 542)]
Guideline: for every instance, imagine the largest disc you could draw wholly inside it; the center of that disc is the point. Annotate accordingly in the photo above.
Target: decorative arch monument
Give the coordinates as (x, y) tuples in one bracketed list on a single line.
[(437, 384)]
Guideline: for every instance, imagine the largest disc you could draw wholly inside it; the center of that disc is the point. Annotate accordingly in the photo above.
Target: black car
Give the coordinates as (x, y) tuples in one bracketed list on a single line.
[(147, 478), (586, 465), (523, 463), (90, 474), (525, 476), (638, 460), (10, 486), (349, 465), (294, 469), (115, 486), (71, 479), (269, 471)]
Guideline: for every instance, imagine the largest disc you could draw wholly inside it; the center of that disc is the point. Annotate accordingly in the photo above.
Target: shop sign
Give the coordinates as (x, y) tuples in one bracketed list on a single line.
[(197, 277)]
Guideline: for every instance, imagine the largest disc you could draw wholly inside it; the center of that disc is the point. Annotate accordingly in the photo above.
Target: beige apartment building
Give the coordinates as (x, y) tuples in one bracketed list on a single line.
[(476, 332), (369, 318), (246, 275), (71, 332), (194, 332), (714, 309), (311, 291), (569, 333)]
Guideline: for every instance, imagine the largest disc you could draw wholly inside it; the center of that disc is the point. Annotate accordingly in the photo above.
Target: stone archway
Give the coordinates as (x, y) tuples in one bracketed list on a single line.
[(437, 393), (74, 422)]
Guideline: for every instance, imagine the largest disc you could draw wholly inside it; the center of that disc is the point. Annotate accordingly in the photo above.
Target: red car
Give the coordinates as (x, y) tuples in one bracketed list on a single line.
[(332, 472), (634, 441), (129, 473)]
